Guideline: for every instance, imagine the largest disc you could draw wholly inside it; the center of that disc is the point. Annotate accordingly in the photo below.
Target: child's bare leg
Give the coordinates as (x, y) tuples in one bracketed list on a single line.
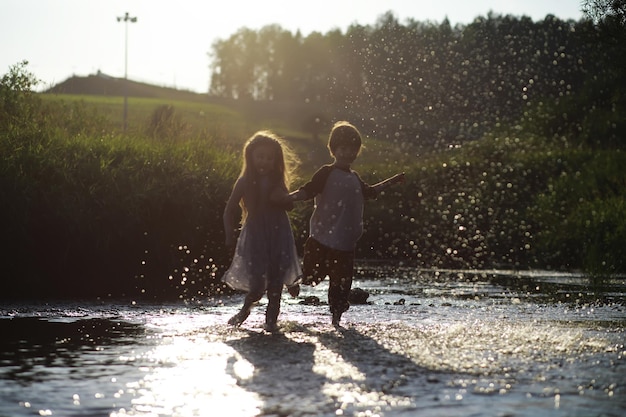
[(339, 287), (242, 315), (252, 297), (273, 307), (338, 293)]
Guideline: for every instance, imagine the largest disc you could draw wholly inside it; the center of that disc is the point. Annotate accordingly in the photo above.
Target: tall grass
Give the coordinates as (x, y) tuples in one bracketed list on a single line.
[(88, 210), (100, 208)]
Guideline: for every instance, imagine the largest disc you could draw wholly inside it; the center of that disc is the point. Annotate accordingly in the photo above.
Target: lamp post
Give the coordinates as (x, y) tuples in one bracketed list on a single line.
[(126, 18)]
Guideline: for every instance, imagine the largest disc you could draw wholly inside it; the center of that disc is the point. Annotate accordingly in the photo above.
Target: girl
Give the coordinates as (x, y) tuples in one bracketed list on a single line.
[(265, 255)]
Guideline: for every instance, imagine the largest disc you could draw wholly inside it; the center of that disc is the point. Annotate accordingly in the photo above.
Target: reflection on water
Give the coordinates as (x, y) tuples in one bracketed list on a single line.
[(186, 375), (431, 343), (34, 341)]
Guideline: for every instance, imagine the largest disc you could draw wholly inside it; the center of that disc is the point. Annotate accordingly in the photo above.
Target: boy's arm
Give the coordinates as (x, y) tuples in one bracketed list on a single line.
[(313, 187), (298, 195), (381, 186), (286, 200)]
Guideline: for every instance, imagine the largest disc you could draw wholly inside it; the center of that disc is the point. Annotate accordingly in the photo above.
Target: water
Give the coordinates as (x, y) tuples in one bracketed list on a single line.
[(429, 343)]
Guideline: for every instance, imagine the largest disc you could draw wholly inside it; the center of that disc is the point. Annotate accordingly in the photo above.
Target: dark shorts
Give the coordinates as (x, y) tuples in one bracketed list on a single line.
[(320, 261)]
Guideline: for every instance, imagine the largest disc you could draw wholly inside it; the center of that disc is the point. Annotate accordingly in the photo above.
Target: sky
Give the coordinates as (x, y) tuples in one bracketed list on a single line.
[(170, 42)]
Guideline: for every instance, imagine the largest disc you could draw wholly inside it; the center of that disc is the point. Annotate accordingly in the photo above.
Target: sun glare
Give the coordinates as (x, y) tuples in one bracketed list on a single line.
[(190, 375)]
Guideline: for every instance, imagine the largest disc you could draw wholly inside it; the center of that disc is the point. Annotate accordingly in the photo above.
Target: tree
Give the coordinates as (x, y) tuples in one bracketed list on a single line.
[(234, 68), (605, 11), (16, 98)]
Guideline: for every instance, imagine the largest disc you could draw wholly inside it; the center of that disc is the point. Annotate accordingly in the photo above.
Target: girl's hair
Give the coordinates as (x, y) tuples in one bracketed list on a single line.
[(285, 163), (343, 134), (285, 160)]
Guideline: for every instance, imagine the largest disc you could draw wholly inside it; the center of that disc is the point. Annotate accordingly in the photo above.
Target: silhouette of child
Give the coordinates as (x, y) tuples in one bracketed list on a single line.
[(337, 220), (265, 257)]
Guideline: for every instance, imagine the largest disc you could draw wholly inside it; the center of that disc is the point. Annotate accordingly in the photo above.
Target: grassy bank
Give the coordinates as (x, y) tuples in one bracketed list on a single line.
[(91, 211), (96, 213)]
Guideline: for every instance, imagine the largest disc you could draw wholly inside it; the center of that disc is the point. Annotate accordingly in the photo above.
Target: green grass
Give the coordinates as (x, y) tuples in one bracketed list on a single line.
[(94, 211), (198, 120), (88, 199)]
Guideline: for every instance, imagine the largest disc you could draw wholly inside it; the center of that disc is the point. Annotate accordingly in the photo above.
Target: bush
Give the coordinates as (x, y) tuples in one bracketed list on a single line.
[(583, 214), (17, 101), (165, 124), (89, 213)]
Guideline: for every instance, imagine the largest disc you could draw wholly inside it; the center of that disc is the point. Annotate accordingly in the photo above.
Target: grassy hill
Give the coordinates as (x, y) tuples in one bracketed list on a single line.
[(101, 84), (309, 118), (185, 114)]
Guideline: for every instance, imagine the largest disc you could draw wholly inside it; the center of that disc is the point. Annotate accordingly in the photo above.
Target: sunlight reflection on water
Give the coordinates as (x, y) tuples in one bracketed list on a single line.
[(188, 373), (188, 378)]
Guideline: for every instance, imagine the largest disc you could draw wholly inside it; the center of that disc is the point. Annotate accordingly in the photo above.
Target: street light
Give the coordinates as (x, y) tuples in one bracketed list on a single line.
[(126, 18)]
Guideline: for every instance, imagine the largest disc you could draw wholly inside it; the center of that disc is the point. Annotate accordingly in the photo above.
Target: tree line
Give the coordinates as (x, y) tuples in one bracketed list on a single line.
[(423, 83)]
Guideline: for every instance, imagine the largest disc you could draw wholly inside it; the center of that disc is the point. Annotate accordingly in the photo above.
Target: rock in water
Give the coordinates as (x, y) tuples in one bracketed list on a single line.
[(311, 300), (358, 296)]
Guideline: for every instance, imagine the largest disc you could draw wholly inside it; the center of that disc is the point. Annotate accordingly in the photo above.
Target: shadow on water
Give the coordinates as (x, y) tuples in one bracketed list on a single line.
[(282, 367), (30, 346), (383, 370), (323, 371)]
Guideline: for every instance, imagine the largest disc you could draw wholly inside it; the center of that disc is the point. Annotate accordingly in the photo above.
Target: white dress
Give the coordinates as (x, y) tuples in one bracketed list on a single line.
[(265, 254)]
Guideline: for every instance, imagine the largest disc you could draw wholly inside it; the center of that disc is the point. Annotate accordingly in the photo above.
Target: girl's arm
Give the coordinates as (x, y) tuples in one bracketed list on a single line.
[(281, 197), (231, 212), (388, 182), (286, 200)]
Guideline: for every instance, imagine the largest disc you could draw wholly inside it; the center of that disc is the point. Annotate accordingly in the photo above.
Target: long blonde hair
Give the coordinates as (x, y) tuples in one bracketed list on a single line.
[(285, 164)]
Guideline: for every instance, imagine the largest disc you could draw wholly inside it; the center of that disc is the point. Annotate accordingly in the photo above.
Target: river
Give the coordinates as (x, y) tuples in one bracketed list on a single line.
[(426, 343)]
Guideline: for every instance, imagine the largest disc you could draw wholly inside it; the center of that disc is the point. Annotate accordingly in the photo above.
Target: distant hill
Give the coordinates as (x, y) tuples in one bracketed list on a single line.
[(309, 117), (102, 84)]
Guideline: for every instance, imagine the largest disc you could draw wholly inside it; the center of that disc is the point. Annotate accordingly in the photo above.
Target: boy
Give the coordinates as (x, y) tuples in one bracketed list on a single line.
[(337, 220)]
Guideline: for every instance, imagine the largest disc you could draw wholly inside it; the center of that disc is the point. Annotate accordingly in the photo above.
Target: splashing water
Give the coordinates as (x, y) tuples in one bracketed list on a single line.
[(427, 343)]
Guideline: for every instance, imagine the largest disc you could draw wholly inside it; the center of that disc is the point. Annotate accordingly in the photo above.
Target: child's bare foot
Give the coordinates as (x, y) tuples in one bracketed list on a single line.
[(336, 319), (239, 318), (294, 290), (271, 327)]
